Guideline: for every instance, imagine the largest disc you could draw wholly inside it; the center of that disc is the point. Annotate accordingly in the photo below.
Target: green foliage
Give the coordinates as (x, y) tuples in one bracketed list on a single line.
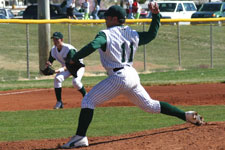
[(109, 121)]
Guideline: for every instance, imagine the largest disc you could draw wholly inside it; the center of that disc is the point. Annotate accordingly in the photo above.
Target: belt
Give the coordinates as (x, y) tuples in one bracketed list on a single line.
[(117, 69)]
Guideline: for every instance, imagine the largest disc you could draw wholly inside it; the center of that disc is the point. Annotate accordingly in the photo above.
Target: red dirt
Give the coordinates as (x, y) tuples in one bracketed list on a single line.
[(183, 137)]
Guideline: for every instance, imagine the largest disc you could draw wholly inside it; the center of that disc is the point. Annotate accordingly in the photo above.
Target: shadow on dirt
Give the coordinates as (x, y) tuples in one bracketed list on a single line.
[(139, 136)]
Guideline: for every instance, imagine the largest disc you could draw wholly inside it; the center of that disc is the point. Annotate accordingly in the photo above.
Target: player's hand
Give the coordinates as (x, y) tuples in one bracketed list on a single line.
[(153, 7), (60, 70), (57, 71)]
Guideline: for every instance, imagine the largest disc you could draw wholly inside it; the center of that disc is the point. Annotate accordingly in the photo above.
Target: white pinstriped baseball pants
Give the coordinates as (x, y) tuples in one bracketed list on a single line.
[(125, 81)]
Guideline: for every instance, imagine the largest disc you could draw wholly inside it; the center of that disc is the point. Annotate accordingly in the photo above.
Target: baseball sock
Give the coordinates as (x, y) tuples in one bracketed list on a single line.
[(83, 91), (85, 118), (168, 109), (58, 92)]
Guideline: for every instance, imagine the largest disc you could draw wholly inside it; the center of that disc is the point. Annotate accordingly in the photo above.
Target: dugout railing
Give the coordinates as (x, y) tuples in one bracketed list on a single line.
[(176, 46)]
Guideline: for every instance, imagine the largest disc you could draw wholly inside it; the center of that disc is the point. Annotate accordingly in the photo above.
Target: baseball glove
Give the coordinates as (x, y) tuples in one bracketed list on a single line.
[(48, 71)]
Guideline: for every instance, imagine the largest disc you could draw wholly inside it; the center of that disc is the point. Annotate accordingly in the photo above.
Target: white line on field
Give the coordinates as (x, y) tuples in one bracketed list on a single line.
[(22, 92)]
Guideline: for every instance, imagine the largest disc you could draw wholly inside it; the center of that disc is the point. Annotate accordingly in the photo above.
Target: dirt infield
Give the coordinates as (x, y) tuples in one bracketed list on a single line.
[(183, 137)]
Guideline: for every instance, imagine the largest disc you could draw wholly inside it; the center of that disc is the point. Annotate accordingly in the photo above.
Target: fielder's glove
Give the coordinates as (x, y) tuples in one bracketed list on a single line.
[(49, 70)]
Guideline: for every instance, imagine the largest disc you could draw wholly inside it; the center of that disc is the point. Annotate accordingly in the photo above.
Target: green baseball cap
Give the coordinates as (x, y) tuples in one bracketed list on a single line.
[(57, 35), (117, 11)]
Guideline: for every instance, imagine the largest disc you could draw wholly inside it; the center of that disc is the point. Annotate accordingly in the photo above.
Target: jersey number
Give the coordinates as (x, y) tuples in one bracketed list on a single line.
[(124, 52)]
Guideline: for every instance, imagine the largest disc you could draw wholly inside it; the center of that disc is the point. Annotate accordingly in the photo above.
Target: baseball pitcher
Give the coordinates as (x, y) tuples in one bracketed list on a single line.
[(117, 46)]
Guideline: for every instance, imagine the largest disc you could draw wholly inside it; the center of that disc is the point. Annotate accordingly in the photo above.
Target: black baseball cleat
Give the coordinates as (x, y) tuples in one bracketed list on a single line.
[(58, 105)]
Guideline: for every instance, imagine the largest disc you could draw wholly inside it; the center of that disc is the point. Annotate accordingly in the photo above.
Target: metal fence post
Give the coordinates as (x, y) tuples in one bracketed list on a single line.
[(27, 38), (211, 44), (178, 44), (69, 33), (144, 50)]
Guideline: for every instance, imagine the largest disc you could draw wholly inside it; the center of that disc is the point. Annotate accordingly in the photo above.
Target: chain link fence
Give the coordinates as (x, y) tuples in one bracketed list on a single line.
[(176, 46)]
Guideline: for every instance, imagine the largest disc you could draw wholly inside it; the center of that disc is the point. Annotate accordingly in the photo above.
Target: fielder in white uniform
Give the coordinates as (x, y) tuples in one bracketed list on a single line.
[(60, 52), (118, 45)]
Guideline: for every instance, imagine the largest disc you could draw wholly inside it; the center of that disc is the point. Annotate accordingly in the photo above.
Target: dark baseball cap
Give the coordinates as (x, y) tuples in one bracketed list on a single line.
[(117, 11), (57, 35)]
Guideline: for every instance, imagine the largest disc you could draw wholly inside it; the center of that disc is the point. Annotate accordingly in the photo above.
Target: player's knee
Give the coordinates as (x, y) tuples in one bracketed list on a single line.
[(59, 78), (58, 82), (77, 84), (87, 103)]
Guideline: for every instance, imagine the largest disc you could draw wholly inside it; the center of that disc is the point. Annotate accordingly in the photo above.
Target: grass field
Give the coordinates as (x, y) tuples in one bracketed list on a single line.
[(27, 125), (155, 78), (161, 53), (43, 124)]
